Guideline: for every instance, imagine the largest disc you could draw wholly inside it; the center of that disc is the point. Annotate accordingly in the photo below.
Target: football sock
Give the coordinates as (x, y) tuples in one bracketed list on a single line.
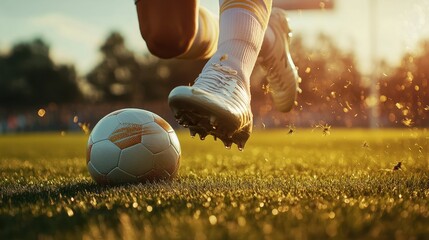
[(205, 42), (241, 33), (267, 44)]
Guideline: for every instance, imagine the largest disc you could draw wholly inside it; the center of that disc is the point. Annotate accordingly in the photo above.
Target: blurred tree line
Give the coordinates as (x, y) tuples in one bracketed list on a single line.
[(28, 76), (127, 77), (334, 92), (404, 89)]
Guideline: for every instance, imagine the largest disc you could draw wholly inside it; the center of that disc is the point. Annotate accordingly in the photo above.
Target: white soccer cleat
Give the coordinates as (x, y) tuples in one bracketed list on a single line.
[(281, 73), (218, 104)]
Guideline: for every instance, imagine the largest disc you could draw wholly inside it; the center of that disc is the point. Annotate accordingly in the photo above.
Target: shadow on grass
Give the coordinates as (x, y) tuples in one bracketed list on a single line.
[(28, 194), (58, 226), (53, 220)]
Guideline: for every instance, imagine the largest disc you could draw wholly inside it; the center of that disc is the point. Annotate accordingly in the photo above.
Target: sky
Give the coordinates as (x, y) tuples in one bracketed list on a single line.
[(75, 29)]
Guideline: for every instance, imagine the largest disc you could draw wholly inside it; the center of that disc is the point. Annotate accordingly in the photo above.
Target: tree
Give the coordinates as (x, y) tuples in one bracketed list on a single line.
[(404, 92), (332, 88), (29, 77), (117, 76), (124, 76), (331, 83)]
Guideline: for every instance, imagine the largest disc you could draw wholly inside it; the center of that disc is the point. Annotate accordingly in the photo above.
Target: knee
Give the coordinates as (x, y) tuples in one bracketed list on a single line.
[(167, 43), (169, 34)]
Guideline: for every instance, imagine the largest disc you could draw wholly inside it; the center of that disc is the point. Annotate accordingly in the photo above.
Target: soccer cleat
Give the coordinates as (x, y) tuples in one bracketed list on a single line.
[(281, 73), (217, 104)]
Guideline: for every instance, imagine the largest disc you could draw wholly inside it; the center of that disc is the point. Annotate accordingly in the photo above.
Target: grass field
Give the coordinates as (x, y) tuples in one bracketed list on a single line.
[(300, 186)]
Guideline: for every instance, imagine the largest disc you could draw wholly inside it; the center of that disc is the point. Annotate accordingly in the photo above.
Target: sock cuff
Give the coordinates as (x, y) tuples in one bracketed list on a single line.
[(260, 9)]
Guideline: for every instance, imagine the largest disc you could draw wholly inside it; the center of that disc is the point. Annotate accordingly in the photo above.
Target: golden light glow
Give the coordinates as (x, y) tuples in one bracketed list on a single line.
[(410, 76), (371, 101), (84, 127), (399, 105), (41, 112), (417, 88), (407, 122)]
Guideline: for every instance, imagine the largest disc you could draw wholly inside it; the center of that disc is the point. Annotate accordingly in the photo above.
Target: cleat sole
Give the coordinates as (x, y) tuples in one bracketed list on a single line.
[(201, 116)]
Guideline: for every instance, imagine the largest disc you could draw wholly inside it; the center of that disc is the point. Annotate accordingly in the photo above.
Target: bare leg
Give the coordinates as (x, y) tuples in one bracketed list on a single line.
[(178, 29), (206, 39), (169, 27)]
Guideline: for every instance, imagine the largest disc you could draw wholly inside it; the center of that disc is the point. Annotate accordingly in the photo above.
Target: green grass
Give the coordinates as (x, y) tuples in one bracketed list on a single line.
[(301, 186)]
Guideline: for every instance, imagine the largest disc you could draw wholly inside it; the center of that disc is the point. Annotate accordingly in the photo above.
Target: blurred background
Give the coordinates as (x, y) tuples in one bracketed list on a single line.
[(65, 64)]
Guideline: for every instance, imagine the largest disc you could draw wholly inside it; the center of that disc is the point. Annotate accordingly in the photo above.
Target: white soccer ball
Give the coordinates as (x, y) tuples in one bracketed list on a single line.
[(132, 145)]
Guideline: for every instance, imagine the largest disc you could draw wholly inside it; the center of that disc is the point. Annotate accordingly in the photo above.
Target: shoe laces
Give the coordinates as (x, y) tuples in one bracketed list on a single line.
[(222, 80)]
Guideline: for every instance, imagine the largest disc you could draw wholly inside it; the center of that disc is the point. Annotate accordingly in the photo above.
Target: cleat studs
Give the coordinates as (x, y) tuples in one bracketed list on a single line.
[(240, 146), (192, 132), (202, 135), (214, 137), (227, 143), (240, 139)]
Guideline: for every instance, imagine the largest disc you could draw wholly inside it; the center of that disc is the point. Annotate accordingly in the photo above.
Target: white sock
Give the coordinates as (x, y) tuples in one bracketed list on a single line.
[(241, 32)]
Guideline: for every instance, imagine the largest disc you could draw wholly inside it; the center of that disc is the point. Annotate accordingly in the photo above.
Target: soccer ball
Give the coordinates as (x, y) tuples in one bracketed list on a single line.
[(132, 145)]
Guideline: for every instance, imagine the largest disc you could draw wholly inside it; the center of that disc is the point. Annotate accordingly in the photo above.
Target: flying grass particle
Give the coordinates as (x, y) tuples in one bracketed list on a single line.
[(291, 129), (325, 129), (398, 166), (407, 122)]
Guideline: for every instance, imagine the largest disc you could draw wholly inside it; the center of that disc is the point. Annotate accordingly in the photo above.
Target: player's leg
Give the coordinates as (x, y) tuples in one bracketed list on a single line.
[(179, 29), (219, 101), (274, 57), (169, 27), (204, 44)]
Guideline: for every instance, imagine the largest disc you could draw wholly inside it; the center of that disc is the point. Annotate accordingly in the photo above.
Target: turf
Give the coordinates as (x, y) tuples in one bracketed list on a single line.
[(305, 185)]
